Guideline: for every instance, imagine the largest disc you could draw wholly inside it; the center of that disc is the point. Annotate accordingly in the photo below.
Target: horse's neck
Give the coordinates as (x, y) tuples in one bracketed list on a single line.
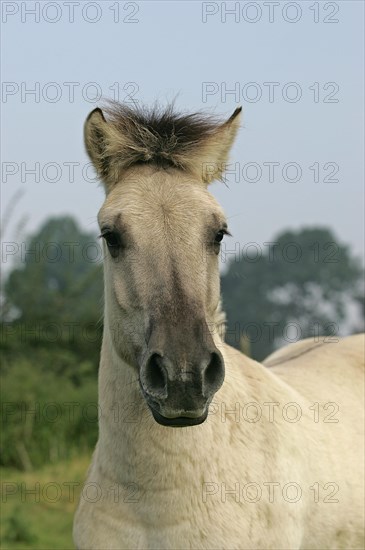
[(131, 444)]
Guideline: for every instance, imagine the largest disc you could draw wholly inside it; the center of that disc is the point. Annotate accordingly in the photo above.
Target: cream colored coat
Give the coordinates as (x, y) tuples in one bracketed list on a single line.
[(278, 464), (174, 483)]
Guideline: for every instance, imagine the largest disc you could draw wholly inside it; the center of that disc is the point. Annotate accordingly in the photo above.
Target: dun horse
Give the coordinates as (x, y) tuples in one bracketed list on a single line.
[(200, 446)]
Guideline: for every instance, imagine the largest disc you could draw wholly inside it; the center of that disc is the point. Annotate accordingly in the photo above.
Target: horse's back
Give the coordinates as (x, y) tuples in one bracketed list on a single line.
[(328, 378), (325, 346), (326, 366)]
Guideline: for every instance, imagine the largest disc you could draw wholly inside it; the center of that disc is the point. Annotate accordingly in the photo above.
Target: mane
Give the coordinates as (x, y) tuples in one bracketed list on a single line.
[(120, 136), (159, 136)]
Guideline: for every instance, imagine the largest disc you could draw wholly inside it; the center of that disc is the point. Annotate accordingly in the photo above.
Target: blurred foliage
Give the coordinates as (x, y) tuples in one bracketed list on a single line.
[(50, 338), (60, 280), (298, 286), (45, 416), (34, 517), (18, 529)]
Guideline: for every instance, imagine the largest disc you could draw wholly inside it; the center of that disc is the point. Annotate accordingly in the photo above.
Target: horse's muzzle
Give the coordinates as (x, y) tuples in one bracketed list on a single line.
[(179, 421), (179, 393)]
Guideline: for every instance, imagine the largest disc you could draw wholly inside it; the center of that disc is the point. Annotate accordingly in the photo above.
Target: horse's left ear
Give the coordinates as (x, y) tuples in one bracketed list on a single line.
[(101, 142), (215, 151)]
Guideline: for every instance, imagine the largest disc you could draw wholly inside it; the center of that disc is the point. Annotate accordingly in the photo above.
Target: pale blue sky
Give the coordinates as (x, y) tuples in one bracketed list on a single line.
[(170, 51)]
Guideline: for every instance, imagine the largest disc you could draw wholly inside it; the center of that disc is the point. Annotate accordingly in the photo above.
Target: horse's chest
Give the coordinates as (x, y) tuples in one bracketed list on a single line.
[(172, 521)]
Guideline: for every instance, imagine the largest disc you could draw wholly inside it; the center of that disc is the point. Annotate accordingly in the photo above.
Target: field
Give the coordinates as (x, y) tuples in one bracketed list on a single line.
[(37, 507)]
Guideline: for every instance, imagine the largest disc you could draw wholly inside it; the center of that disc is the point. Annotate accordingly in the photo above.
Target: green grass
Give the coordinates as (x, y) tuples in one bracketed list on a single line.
[(47, 524)]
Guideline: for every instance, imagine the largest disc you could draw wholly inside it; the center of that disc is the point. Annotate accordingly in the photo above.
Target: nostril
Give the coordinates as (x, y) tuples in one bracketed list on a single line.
[(213, 375), (155, 377)]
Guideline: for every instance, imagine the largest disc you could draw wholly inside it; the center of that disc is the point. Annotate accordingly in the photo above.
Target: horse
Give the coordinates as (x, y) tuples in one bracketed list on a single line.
[(199, 445)]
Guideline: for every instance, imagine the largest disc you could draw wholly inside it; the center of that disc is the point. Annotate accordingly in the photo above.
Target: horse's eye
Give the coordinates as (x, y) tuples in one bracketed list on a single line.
[(113, 241), (219, 236)]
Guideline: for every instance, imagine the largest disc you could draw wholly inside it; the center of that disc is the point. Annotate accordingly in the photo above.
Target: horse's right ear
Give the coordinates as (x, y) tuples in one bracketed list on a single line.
[(98, 136), (214, 152)]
